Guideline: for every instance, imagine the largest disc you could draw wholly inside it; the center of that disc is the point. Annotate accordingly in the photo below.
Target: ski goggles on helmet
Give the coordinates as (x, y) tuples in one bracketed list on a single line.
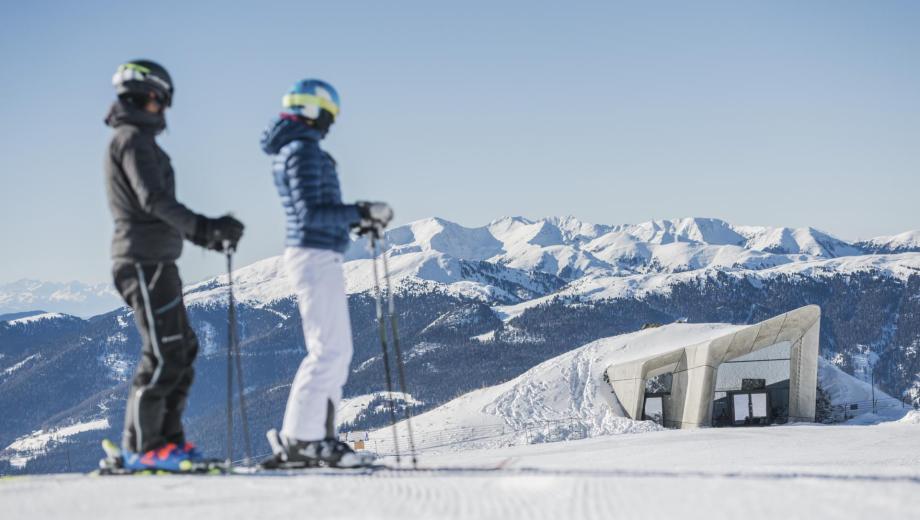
[(133, 72), (300, 100)]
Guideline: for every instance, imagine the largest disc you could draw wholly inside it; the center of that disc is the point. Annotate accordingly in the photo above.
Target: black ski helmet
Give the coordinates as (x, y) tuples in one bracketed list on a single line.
[(144, 77)]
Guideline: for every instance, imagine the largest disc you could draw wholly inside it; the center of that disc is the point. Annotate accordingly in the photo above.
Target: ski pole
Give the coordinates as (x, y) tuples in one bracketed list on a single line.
[(383, 342), (229, 460), (400, 365), (237, 354), (233, 358)]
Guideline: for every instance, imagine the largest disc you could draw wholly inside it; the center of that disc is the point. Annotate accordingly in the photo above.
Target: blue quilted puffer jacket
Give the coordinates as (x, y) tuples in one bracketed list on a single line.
[(309, 187)]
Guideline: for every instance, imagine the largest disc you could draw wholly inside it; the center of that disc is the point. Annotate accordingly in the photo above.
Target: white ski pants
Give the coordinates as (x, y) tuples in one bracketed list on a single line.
[(319, 284)]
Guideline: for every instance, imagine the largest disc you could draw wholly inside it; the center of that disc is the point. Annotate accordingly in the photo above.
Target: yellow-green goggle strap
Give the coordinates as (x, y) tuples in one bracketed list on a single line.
[(299, 100), (134, 66)]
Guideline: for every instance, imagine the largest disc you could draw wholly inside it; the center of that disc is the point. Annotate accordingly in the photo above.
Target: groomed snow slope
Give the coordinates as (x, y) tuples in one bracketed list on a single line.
[(793, 472)]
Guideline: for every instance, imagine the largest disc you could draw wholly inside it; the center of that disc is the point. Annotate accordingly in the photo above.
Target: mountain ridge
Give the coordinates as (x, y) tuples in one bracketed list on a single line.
[(513, 259), (560, 246)]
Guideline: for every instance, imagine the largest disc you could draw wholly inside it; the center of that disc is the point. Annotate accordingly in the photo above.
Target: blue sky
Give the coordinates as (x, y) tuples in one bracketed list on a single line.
[(763, 113)]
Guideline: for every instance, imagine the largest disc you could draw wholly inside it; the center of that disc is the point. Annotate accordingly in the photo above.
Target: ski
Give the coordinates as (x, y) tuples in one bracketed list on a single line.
[(295, 469), (113, 464), (292, 469)]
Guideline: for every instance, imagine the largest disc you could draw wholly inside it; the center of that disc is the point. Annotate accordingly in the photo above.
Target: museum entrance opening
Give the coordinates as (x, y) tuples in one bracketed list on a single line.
[(750, 409), (654, 409), (753, 390), (657, 395)]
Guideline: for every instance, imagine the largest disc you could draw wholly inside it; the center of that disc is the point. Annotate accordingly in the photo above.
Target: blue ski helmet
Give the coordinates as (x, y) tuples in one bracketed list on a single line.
[(314, 100)]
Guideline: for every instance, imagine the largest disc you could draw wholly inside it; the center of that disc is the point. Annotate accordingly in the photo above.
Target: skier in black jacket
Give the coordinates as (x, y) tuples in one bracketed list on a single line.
[(150, 225)]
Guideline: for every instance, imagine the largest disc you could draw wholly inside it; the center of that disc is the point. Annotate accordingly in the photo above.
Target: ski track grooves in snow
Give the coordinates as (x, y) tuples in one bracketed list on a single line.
[(511, 471), (795, 471), (526, 494)]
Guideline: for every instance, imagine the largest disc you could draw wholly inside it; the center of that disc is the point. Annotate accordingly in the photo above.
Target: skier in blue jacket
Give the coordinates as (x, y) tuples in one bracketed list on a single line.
[(318, 227)]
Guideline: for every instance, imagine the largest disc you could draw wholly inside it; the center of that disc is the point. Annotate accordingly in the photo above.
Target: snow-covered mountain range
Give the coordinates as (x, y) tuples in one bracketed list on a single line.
[(496, 301), (514, 260)]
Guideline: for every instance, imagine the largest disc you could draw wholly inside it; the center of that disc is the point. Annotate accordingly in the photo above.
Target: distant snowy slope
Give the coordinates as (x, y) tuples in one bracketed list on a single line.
[(904, 242), (602, 286), (842, 388), (351, 408), (265, 281), (27, 447), (808, 241), (35, 318), (17, 315), (261, 282)]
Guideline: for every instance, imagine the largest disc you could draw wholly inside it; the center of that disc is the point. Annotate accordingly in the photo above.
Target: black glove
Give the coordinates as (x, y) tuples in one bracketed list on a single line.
[(374, 216), (213, 233)]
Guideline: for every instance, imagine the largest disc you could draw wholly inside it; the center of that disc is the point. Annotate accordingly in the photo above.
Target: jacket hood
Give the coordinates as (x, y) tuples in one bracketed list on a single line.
[(284, 129), (124, 113)]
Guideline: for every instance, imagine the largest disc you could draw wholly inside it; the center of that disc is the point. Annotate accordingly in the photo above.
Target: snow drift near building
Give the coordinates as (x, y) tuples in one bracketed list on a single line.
[(560, 399), (569, 397)]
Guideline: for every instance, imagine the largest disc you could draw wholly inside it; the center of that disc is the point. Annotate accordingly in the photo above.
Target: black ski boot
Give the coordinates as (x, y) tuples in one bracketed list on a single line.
[(293, 454)]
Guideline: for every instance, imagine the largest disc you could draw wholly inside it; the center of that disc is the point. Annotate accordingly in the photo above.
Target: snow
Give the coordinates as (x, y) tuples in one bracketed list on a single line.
[(562, 398), (600, 261), (912, 417), (27, 447), (509, 312), (487, 337), (566, 397), (902, 241), (801, 471), (208, 337), (17, 366), (847, 392), (435, 234), (36, 318), (260, 283), (349, 409), (118, 364), (844, 388), (604, 286), (606, 465), (700, 230), (807, 241)]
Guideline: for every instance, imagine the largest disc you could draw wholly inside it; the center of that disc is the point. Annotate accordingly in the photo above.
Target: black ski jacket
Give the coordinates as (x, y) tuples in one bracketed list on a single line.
[(150, 223)]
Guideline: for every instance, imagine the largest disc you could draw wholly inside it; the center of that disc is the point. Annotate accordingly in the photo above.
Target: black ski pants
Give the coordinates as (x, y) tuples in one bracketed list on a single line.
[(159, 390)]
